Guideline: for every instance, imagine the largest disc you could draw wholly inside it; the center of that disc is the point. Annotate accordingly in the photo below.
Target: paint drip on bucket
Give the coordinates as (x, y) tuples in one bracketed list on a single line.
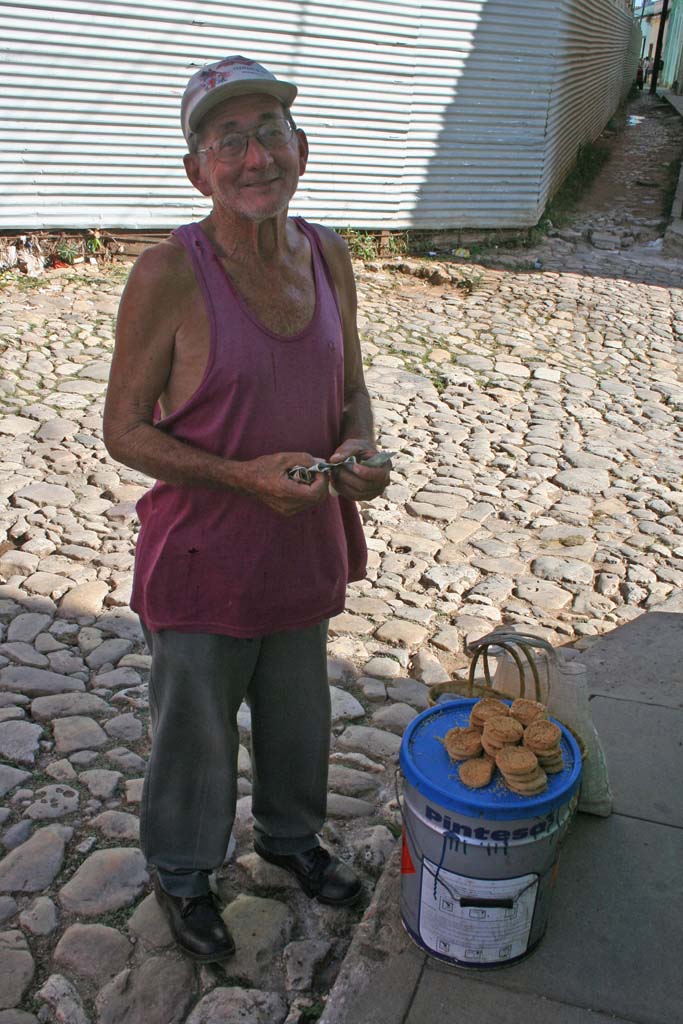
[(477, 866)]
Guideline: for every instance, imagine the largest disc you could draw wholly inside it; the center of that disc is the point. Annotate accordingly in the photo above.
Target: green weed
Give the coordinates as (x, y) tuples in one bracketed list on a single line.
[(440, 382), (371, 245), (312, 1013), (67, 250), (363, 245)]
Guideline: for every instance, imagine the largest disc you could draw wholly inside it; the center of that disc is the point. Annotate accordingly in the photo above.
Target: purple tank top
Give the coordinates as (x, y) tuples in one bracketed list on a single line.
[(211, 561)]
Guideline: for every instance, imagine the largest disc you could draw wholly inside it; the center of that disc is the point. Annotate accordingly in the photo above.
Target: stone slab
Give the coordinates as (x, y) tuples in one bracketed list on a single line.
[(77, 732), (479, 1001), (20, 741), (92, 951), (107, 880), (37, 682), (645, 771), (32, 866), (611, 951), (160, 989), (10, 777), (261, 929), (380, 973), (640, 660), (16, 968), (64, 705), (614, 937), (17, 1017), (237, 1004)]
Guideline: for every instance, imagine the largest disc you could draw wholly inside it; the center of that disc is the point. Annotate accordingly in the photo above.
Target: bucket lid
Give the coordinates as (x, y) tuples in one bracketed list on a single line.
[(428, 768)]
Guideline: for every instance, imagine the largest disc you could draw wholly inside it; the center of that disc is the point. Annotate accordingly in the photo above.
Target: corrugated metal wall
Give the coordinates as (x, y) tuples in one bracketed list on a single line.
[(421, 113), (475, 149)]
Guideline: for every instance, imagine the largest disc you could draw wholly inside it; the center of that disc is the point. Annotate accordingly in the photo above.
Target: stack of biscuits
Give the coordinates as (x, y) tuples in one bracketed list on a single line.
[(528, 711), (485, 708), (500, 731), (543, 738), (462, 742), (518, 739), (522, 773)]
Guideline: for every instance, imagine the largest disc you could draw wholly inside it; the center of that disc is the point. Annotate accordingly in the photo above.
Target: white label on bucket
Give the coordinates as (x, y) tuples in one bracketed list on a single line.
[(476, 920)]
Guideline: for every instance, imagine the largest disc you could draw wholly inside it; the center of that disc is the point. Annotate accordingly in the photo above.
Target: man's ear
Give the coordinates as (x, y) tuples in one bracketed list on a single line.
[(303, 149), (193, 169)]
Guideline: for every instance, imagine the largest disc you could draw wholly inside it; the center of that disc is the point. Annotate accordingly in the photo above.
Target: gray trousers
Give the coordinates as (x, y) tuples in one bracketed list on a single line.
[(197, 684)]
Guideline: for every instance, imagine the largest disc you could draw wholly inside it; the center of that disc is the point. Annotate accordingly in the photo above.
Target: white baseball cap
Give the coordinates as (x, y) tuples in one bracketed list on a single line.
[(232, 76)]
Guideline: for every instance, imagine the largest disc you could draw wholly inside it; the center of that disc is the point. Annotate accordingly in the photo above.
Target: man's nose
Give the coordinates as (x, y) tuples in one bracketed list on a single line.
[(256, 154)]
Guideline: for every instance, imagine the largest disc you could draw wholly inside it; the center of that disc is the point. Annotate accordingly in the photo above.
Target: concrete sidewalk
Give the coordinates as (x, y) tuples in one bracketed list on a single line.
[(612, 951)]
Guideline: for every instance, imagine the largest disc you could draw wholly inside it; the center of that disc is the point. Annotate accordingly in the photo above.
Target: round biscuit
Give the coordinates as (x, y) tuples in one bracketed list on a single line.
[(527, 711), (490, 748), (542, 736), (502, 729), (462, 742), (516, 760), (476, 772), (486, 708), (529, 786), (550, 755)]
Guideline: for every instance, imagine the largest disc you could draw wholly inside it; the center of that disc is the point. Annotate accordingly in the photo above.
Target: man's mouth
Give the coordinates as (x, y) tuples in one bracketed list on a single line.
[(260, 184)]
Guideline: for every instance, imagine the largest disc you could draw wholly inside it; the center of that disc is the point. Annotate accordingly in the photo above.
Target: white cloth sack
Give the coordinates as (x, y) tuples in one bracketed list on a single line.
[(564, 689)]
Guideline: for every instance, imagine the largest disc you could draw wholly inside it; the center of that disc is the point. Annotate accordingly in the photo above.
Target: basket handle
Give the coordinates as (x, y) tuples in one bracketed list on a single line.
[(483, 652), (502, 635)]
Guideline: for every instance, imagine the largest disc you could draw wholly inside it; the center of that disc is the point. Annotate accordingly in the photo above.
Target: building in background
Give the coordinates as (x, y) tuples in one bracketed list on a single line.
[(649, 15), (421, 113), (672, 71)]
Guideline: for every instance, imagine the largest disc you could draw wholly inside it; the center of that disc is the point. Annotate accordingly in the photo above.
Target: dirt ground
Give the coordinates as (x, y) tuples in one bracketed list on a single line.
[(646, 139)]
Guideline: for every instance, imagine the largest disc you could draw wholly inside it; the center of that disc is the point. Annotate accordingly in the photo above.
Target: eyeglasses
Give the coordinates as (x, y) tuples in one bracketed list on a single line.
[(271, 135)]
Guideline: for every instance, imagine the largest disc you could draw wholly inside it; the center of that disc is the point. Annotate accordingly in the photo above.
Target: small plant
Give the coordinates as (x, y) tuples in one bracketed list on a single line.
[(395, 243), (67, 250), (469, 283), (362, 245), (312, 1013)]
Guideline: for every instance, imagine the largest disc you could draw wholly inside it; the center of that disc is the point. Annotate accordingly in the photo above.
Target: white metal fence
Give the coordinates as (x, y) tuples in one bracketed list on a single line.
[(420, 113)]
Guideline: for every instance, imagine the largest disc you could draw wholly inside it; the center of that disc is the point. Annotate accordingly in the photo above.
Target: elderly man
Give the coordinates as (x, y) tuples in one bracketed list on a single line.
[(237, 360)]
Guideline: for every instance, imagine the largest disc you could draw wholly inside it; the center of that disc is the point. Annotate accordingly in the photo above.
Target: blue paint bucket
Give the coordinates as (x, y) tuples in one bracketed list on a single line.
[(478, 865)]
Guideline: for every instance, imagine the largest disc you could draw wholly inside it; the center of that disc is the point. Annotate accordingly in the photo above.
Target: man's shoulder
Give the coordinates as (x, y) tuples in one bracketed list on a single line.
[(167, 256), (163, 268), (335, 251), (330, 240)]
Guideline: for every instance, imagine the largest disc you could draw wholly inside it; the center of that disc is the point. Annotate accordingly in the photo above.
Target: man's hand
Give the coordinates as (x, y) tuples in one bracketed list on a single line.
[(266, 478), (360, 483)]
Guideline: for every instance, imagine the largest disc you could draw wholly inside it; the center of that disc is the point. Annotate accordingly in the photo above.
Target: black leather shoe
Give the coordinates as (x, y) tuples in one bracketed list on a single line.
[(320, 875), (197, 926)]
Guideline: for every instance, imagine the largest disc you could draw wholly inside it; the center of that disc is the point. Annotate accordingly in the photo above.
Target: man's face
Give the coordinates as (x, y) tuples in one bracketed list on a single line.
[(259, 184)]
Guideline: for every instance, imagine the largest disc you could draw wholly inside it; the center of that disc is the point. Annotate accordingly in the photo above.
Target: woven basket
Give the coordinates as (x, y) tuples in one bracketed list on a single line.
[(520, 647)]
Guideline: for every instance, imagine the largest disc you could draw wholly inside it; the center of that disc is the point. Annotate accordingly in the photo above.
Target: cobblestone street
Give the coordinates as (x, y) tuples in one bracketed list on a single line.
[(535, 407)]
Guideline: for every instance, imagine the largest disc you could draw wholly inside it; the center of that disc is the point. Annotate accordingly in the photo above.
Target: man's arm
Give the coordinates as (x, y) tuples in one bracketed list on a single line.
[(153, 308), (361, 483)]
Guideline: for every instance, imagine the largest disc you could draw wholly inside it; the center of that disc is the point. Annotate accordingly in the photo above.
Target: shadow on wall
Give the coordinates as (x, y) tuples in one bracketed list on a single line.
[(484, 164), (527, 83)]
